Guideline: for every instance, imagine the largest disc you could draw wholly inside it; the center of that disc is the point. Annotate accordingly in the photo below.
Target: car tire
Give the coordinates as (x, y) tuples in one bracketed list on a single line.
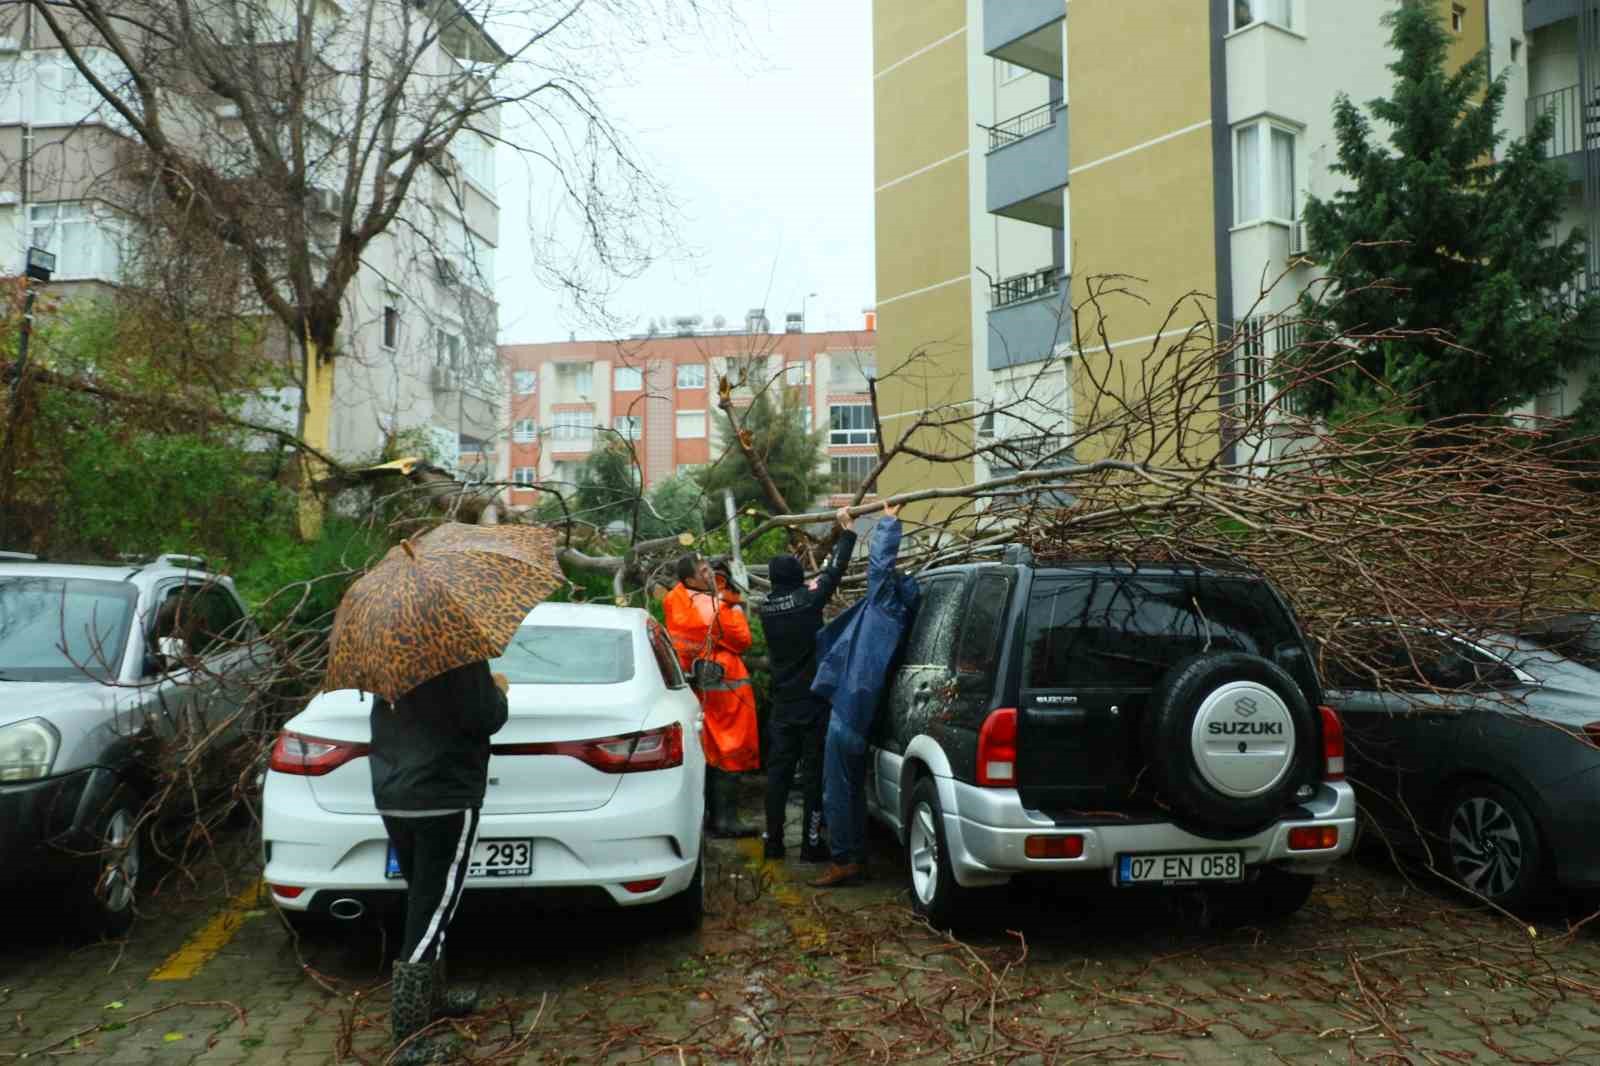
[(1274, 896), (935, 895), (1168, 735), (109, 893), (684, 912), (1492, 846)]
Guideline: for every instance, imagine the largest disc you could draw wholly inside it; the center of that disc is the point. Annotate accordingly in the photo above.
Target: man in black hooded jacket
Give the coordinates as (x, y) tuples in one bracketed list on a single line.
[(791, 617)]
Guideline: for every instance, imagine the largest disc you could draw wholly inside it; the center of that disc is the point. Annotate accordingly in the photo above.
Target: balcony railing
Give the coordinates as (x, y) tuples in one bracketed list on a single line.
[(1565, 106), (1020, 127), (1020, 287)]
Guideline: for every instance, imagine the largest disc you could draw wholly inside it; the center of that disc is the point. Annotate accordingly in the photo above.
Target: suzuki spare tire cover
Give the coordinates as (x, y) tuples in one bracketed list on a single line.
[(1229, 738)]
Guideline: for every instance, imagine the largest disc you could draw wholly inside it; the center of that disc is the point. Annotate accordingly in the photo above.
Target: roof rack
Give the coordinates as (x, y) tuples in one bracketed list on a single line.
[(21, 557), (180, 562)]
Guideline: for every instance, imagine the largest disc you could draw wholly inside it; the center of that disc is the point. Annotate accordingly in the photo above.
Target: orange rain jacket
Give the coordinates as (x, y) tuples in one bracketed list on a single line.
[(703, 626)]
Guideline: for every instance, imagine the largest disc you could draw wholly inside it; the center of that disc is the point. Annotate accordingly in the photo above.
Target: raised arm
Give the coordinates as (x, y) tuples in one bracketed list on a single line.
[(885, 550), (839, 561)]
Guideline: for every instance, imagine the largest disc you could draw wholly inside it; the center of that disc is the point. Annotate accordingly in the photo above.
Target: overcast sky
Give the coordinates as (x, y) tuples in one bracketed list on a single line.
[(767, 150)]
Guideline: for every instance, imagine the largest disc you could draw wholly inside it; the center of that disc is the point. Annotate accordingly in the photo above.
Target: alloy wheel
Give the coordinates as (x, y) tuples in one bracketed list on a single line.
[(1486, 846), (923, 848), (119, 871)]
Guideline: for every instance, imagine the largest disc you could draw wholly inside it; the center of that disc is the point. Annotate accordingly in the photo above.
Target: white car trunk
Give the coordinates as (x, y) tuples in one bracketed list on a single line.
[(518, 784)]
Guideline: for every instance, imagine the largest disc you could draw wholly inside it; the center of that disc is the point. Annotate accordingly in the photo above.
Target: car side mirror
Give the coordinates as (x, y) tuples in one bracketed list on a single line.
[(170, 654)]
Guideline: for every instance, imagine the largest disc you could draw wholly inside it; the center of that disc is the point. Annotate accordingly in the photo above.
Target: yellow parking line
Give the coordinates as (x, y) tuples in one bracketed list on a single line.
[(808, 932), (209, 939)]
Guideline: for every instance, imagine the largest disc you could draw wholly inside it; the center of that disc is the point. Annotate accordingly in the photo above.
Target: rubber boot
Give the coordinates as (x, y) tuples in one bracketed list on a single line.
[(725, 824), (450, 1002), (410, 1012)]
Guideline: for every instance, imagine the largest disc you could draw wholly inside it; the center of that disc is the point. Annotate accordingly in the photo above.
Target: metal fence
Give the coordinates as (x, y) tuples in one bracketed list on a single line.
[(1018, 127), (1020, 287), (1565, 107)]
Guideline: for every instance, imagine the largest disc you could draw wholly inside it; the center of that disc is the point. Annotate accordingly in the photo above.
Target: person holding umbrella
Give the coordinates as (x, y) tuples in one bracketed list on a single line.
[(417, 631)]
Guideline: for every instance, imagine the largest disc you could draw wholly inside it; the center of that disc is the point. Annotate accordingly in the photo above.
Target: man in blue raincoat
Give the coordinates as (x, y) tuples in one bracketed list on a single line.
[(854, 653)]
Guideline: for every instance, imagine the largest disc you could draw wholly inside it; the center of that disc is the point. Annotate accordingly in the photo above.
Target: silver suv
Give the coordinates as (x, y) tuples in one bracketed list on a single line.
[(1156, 725), (103, 671)]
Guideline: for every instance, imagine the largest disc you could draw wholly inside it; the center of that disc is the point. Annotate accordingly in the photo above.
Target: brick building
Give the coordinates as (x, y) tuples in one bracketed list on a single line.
[(660, 392)]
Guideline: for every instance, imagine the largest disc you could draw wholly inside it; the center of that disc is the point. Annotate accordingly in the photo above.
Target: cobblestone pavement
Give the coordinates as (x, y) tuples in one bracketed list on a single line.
[(1373, 970)]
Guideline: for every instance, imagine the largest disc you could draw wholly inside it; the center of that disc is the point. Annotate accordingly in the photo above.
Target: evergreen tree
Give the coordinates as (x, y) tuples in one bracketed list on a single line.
[(608, 485), (792, 456), (1436, 235)]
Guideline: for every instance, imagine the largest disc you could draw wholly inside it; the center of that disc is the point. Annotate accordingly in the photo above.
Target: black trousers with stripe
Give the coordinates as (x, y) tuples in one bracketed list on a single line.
[(434, 853)]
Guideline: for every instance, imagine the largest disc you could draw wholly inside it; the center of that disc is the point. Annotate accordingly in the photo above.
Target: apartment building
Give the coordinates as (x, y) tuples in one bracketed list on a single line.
[(1171, 141), (659, 391), (417, 339)]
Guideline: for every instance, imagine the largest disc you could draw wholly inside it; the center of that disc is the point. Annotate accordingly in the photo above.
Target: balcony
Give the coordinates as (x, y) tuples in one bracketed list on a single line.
[(1025, 32), (1028, 317), (1027, 166), (1565, 106)]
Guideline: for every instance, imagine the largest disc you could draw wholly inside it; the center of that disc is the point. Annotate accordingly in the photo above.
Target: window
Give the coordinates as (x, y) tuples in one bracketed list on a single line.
[(475, 154), (691, 423), (391, 327), (86, 238), (567, 655), (851, 424), (62, 95), (1250, 12), (61, 629), (1516, 50), (524, 431), (565, 472), (628, 427), (627, 379), (1263, 162), (525, 382), (849, 371), (850, 472), (1121, 631), (795, 374), (938, 617), (691, 376), (525, 476), (1386, 658), (981, 635), (1458, 18), (1011, 72), (574, 382), (447, 350), (1250, 368), (572, 426), (806, 418)]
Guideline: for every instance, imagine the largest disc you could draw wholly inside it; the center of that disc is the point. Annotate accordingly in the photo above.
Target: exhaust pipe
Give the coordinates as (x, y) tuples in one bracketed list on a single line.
[(347, 909)]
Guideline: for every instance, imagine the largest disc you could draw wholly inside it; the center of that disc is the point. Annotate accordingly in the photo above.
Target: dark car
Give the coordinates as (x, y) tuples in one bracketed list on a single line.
[(1156, 725), (1475, 751), (102, 667)]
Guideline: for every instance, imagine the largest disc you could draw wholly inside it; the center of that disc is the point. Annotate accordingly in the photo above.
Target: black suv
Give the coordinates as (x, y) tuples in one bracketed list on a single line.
[(1159, 723)]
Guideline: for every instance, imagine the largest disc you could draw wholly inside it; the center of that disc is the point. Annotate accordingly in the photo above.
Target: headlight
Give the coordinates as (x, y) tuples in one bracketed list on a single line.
[(27, 749)]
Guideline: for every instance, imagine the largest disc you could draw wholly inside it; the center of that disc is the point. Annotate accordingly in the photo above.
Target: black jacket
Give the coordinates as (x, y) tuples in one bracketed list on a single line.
[(430, 751), (791, 617)]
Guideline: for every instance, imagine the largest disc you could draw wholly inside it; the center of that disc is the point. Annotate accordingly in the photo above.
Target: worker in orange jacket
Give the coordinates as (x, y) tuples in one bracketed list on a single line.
[(706, 622)]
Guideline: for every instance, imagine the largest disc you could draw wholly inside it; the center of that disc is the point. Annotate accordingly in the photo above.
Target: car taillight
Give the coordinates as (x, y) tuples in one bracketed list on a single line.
[(997, 749), (651, 885), (1313, 837), (287, 891), (1332, 745), (312, 756), (655, 749), (1592, 732)]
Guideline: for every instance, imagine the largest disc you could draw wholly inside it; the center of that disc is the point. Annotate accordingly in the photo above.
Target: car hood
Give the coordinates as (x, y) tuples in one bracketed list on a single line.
[(85, 713)]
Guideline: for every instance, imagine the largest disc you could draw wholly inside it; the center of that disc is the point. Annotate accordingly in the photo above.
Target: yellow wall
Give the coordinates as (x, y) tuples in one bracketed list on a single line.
[(923, 226), (1474, 36)]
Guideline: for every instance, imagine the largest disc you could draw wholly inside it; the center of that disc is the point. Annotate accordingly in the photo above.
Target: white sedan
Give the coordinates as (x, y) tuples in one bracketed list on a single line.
[(596, 782)]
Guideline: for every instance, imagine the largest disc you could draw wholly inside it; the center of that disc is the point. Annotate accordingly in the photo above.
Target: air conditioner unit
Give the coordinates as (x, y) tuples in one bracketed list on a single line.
[(444, 379), (326, 202), (1298, 242)]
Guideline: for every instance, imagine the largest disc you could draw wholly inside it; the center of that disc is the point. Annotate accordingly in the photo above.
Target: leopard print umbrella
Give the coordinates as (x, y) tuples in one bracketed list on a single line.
[(453, 596)]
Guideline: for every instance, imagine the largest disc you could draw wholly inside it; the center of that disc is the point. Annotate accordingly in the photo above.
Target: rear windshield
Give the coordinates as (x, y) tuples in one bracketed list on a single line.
[(567, 655), (63, 629), (1125, 631)]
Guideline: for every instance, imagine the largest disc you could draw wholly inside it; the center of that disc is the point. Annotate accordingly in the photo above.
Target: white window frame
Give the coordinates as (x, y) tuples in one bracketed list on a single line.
[(628, 427), (678, 421), (525, 477), (102, 238), (1458, 18), (1265, 127), (528, 378), (1010, 72), (866, 461), (852, 435), (572, 425), (635, 378), (390, 327), (796, 375), (696, 370), (524, 431), (1279, 13)]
